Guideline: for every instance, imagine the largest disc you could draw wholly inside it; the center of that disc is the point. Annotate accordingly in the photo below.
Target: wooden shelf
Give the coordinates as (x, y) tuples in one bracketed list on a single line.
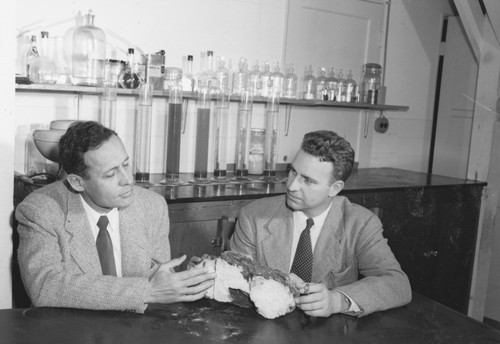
[(193, 96)]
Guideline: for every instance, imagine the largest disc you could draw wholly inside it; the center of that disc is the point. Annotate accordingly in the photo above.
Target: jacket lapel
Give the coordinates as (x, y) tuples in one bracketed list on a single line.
[(82, 244), (134, 243), (327, 252), (277, 241)]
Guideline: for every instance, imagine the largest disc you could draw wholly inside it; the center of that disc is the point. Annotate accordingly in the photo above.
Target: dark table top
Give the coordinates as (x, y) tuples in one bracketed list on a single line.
[(206, 321), (361, 180)]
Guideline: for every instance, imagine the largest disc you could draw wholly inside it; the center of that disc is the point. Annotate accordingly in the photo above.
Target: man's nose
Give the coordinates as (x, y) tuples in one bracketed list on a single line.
[(125, 176), (293, 183)]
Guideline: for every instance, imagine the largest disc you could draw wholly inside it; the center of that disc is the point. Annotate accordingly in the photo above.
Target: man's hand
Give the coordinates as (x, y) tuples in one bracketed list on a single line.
[(316, 299), (168, 286)]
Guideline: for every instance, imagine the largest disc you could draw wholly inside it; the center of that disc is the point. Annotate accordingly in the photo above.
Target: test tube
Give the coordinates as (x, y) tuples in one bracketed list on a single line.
[(220, 136), (243, 134), (202, 136), (174, 131), (271, 141), (142, 136), (109, 92)]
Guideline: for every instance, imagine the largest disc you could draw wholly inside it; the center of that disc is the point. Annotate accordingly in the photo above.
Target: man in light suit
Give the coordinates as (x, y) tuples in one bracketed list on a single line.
[(352, 270), (58, 256)]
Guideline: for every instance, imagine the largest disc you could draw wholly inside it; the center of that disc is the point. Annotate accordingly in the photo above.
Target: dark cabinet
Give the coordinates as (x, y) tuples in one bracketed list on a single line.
[(432, 232)]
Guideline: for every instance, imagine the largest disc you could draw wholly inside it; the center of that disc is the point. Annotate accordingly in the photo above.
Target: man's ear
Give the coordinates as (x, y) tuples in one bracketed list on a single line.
[(335, 188), (76, 182)]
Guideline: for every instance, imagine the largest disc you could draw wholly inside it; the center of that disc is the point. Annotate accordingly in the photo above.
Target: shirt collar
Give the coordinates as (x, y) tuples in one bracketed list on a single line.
[(93, 215)]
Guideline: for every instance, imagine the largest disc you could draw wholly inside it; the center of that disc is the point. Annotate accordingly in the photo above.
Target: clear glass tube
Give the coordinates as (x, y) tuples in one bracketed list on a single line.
[(142, 136), (202, 136), (243, 134), (271, 141), (108, 106), (174, 132), (221, 136)]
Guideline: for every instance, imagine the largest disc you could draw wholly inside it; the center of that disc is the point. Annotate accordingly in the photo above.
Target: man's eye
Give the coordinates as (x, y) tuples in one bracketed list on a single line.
[(110, 174)]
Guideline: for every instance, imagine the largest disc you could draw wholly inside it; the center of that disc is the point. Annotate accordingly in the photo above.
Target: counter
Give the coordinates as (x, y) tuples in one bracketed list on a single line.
[(422, 321)]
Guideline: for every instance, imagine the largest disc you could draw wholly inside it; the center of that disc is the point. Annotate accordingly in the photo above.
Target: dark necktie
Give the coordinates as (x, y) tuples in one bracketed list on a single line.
[(105, 248), (303, 260)]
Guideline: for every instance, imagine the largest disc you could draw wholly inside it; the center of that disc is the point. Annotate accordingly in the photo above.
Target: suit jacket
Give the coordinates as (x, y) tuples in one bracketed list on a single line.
[(351, 254), (58, 258)]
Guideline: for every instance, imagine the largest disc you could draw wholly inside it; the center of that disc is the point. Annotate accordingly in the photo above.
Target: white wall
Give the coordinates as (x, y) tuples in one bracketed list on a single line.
[(6, 150)]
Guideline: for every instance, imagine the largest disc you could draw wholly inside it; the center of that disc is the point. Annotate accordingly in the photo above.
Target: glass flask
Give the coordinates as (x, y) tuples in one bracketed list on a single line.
[(351, 89), (156, 69), (142, 135), (43, 69), (277, 80), (240, 77), (202, 136), (371, 83), (256, 151), (129, 77), (271, 142), (290, 83), (331, 85), (221, 136), (321, 89), (89, 53), (309, 84), (341, 86), (243, 128), (174, 131)]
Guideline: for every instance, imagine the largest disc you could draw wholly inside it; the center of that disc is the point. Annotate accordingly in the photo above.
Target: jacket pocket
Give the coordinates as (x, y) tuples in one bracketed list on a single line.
[(336, 279)]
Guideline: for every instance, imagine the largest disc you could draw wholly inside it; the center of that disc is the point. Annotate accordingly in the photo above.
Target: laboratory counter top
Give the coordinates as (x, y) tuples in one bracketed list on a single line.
[(362, 180)]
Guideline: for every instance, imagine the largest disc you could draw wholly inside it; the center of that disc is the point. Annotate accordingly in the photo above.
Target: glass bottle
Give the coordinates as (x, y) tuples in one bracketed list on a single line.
[(277, 80), (341, 86), (331, 85), (129, 78), (321, 87), (68, 45), (243, 127), (271, 142), (221, 136), (309, 84), (240, 77), (32, 54), (109, 92), (290, 83), (267, 81), (188, 80), (256, 151), (221, 76), (255, 80), (89, 53), (202, 136), (371, 83), (44, 70), (142, 135), (174, 131), (351, 89)]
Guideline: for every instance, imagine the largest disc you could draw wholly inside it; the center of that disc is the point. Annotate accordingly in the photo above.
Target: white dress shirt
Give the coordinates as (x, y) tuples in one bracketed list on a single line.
[(113, 230)]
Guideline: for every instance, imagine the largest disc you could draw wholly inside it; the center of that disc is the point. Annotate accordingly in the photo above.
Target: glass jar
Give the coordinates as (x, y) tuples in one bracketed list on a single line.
[(172, 77), (256, 152), (371, 83), (89, 53)]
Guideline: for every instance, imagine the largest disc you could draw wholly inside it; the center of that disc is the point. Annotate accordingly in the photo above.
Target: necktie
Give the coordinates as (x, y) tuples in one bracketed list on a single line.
[(105, 248), (303, 260)]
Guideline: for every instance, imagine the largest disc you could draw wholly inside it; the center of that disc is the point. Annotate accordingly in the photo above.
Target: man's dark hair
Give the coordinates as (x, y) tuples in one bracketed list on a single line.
[(81, 137), (328, 146)]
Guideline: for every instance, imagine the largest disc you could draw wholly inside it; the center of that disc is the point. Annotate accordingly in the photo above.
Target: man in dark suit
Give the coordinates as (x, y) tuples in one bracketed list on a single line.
[(333, 248), (71, 255)]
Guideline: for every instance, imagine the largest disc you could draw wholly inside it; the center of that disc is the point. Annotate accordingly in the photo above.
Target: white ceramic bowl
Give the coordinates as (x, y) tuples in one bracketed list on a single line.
[(47, 142), (61, 124)]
